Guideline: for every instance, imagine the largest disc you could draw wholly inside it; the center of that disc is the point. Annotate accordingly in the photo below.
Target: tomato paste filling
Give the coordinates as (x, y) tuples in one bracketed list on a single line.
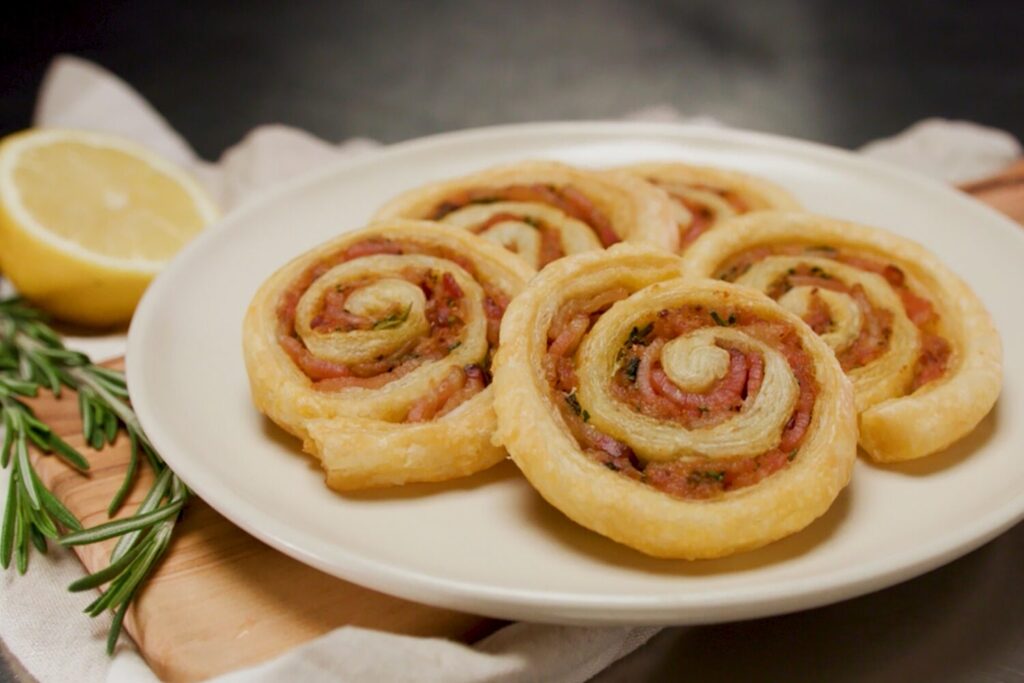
[(446, 312), (640, 383), (565, 198), (875, 334)]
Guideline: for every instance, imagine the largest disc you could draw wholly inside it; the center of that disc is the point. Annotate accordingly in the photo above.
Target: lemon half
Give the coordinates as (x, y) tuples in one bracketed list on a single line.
[(88, 219)]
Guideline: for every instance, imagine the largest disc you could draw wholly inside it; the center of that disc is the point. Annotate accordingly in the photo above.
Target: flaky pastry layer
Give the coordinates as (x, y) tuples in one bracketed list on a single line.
[(533, 426), (365, 436), (634, 211), (898, 421)]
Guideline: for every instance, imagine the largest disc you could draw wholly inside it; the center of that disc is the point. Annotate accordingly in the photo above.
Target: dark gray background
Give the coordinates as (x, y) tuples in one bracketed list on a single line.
[(842, 73)]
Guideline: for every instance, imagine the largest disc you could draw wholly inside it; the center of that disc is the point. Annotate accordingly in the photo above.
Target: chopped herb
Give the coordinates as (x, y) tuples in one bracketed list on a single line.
[(454, 346), (586, 416), (721, 322), (699, 477), (393, 320), (611, 465), (728, 275), (574, 402), (818, 272), (791, 455), (638, 334), (631, 367)]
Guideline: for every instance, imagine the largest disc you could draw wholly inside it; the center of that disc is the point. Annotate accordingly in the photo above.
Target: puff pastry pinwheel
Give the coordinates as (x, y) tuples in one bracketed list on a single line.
[(544, 210), (922, 352), (684, 418), (706, 196), (375, 350)]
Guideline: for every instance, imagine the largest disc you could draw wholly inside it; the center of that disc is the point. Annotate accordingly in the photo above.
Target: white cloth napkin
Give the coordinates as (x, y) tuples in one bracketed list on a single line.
[(41, 623)]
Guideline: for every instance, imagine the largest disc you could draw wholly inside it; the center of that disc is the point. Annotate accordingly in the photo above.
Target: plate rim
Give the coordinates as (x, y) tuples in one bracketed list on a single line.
[(749, 601)]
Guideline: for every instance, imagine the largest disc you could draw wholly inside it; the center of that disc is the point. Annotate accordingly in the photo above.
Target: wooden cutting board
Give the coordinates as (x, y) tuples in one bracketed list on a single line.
[(222, 600), (1004, 192)]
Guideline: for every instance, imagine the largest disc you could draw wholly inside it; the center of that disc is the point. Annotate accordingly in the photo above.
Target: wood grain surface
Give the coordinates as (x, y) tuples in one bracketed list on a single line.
[(1004, 192), (222, 600)]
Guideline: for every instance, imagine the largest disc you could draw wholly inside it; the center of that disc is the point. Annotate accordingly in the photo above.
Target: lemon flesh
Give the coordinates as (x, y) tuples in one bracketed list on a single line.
[(87, 220)]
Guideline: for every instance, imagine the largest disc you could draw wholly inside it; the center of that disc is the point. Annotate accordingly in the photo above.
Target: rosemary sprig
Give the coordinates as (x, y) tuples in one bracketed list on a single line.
[(32, 359)]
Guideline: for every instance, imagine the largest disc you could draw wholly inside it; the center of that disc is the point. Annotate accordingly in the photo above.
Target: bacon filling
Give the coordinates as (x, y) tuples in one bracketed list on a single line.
[(445, 313), (550, 239), (876, 331), (641, 383), (703, 216), (874, 338), (702, 220), (565, 198)]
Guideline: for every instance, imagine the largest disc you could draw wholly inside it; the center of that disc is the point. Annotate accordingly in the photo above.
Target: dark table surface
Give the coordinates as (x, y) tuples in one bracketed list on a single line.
[(840, 73)]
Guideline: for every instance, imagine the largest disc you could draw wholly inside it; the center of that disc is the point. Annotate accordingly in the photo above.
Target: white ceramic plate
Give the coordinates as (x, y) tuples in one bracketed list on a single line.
[(489, 544)]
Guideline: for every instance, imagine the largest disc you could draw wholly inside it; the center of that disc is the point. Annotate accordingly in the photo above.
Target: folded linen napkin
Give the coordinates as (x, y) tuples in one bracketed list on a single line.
[(39, 620)]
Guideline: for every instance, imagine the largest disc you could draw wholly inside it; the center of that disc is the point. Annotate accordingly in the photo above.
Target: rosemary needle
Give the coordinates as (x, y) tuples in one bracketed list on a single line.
[(33, 359)]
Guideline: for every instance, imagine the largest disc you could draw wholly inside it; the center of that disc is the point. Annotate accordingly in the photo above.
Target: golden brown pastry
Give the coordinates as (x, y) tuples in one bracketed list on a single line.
[(707, 196), (685, 418), (544, 210), (375, 350), (921, 349)]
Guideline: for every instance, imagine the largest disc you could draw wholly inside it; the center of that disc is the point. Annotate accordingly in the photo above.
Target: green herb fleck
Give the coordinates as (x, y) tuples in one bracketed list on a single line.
[(792, 455), (631, 367), (574, 402), (586, 416), (454, 346), (638, 334), (699, 477), (393, 320), (722, 322)]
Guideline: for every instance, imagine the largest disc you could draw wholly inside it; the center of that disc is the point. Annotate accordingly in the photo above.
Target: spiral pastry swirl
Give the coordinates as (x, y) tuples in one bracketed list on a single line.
[(704, 197), (544, 210), (684, 418), (920, 348), (375, 350)]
